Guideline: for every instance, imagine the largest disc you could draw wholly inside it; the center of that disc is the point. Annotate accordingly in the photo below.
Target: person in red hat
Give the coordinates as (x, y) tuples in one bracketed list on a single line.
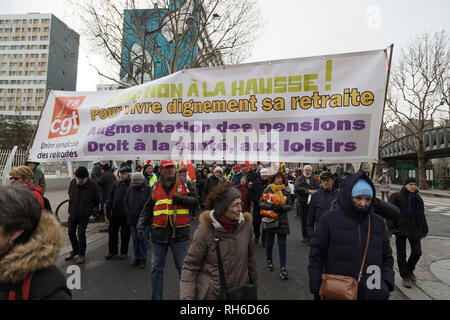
[(236, 175), (167, 210)]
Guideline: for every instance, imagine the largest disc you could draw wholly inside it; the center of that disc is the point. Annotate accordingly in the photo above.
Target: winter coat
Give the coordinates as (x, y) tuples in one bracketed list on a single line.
[(36, 256), (83, 199), (115, 205), (39, 178), (321, 203), (302, 186), (37, 191), (236, 178), (134, 202), (255, 192), (339, 242), (283, 227), (243, 189), (105, 183), (200, 278), (385, 184), (163, 235), (407, 226)]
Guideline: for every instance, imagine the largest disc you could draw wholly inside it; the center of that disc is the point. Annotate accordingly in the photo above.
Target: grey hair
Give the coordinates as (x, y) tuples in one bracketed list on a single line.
[(307, 166)]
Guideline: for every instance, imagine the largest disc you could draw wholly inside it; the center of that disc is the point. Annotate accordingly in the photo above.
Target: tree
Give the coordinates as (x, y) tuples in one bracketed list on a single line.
[(9, 129), (174, 35), (419, 92)]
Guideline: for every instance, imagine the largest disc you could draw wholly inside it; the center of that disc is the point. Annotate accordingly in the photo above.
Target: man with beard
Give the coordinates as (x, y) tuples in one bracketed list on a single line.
[(305, 186), (339, 243), (167, 210)]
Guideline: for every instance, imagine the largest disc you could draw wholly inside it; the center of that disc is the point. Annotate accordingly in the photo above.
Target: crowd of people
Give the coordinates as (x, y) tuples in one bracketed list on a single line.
[(236, 207)]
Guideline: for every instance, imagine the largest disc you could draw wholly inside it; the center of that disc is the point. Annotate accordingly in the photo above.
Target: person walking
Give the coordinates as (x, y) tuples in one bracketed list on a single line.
[(412, 226), (236, 175), (338, 245), (84, 196), (38, 176), (278, 186), (255, 193), (167, 210), (243, 188), (21, 176), (30, 240), (305, 186), (136, 196), (150, 177), (322, 199), (385, 185), (105, 183), (115, 212), (215, 179), (225, 223)]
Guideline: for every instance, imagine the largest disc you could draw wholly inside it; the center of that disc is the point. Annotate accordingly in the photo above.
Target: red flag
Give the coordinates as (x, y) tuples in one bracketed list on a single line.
[(190, 168)]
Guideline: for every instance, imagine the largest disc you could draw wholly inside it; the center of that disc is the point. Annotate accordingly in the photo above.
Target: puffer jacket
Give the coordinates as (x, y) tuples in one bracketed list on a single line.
[(283, 227), (37, 256), (339, 243), (200, 278)]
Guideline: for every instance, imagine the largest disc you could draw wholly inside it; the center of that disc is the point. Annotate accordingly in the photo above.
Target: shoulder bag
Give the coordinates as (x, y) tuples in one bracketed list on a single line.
[(337, 287), (246, 292)]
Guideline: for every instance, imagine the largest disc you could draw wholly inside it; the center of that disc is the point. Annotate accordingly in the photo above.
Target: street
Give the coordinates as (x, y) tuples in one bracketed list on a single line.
[(116, 280)]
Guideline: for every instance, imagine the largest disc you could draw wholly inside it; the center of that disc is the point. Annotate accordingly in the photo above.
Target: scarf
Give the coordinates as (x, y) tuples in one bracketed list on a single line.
[(415, 207), (228, 225), (278, 190)]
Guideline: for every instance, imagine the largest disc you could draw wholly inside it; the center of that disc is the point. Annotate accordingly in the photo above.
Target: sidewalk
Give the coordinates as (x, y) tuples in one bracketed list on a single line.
[(432, 270), (428, 192)]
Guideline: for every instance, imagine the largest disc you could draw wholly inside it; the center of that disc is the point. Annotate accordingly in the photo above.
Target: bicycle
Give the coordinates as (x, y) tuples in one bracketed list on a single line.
[(62, 213)]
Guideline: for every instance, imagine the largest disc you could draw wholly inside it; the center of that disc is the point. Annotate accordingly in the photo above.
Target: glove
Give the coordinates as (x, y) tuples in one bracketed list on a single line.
[(176, 199), (140, 235)]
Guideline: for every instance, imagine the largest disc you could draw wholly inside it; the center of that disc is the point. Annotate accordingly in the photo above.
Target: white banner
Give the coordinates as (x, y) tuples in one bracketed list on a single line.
[(316, 109)]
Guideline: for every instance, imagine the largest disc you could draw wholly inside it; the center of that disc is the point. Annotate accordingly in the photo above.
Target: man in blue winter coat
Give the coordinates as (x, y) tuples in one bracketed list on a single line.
[(340, 239)]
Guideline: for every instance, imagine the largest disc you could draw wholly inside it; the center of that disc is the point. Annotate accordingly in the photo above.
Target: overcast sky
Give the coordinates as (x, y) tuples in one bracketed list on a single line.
[(299, 28)]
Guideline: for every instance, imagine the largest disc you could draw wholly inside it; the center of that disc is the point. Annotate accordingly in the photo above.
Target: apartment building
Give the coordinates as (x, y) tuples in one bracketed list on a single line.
[(37, 52)]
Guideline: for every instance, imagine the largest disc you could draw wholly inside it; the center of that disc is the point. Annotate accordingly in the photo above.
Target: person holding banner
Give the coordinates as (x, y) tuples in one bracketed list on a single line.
[(167, 210)]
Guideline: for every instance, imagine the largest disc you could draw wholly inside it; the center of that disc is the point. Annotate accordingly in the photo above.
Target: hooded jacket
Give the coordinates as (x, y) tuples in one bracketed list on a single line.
[(37, 256), (200, 278), (339, 243)]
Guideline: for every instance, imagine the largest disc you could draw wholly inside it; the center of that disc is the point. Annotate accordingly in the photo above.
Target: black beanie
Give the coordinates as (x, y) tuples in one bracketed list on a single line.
[(82, 172), (409, 180)]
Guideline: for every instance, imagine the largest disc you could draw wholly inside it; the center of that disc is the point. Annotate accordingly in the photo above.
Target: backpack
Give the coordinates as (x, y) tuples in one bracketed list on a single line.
[(25, 289)]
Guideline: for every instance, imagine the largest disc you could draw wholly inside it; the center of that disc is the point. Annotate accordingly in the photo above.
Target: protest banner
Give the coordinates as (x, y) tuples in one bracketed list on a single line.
[(314, 109)]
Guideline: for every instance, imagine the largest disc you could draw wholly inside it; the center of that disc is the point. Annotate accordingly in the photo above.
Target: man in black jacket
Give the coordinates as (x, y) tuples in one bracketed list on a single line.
[(83, 197), (340, 239), (322, 199), (411, 225), (167, 210), (305, 186), (115, 212), (255, 192), (105, 183)]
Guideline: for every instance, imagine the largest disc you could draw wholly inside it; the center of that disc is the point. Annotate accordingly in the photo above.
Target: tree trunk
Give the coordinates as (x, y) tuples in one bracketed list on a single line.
[(421, 165)]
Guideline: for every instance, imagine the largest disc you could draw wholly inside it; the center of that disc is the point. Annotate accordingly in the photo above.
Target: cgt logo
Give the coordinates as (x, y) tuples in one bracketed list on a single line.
[(65, 118)]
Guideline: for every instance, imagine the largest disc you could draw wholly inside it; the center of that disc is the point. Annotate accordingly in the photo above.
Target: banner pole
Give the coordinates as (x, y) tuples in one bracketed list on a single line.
[(384, 105), (37, 126)]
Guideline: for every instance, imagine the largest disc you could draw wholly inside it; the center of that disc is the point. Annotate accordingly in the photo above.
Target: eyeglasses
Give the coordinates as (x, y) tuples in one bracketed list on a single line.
[(15, 178)]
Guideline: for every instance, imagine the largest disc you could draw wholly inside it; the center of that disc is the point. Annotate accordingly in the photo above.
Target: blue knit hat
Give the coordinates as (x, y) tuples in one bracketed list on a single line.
[(362, 188)]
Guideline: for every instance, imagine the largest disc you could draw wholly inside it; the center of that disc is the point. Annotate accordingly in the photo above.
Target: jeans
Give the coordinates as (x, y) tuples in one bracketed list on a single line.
[(78, 243), (406, 267), (270, 239), (140, 247), (159, 253)]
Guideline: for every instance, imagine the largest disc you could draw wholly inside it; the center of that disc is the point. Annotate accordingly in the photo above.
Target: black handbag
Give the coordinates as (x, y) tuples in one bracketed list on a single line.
[(246, 292)]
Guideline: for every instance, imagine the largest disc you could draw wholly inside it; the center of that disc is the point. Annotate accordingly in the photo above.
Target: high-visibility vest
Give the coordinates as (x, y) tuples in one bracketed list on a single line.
[(164, 209), (152, 180)]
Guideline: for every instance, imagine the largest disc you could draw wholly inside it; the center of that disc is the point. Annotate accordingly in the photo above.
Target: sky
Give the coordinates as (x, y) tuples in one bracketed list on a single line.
[(297, 28)]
